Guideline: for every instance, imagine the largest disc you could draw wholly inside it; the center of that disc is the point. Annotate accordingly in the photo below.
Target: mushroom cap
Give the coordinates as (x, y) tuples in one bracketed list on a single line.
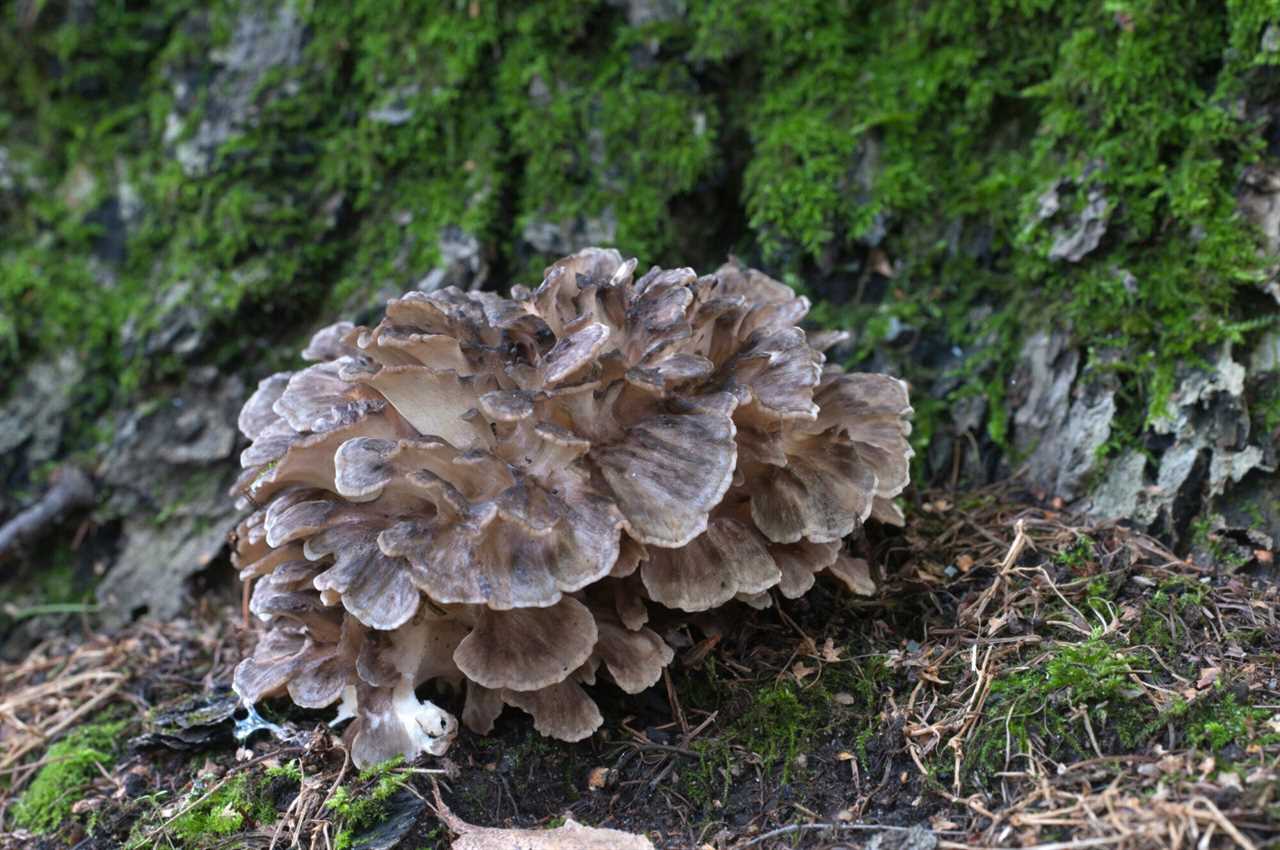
[(494, 491), (526, 649)]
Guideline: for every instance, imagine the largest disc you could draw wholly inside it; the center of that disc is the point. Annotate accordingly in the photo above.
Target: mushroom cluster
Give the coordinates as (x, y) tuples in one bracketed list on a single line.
[(494, 491)]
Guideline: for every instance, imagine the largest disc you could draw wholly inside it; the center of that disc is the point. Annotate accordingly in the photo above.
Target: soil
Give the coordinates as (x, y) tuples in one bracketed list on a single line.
[(1020, 679)]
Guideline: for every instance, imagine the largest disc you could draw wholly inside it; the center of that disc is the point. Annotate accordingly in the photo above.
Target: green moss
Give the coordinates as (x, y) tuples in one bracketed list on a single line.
[(1205, 540), (861, 686), (712, 777), (72, 765), (776, 727), (1076, 556), (1219, 719), (795, 133), (290, 770), (227, 811), (241, 803), (1041, 707), (361, 804)]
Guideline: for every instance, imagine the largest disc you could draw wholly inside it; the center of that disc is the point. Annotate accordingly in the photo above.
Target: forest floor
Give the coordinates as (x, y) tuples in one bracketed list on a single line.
[(1021, 680)]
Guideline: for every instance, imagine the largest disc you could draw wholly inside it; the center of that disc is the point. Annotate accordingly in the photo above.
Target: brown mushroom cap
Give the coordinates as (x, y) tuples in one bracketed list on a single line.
[(494, 491), (527, 648), (562, 710)]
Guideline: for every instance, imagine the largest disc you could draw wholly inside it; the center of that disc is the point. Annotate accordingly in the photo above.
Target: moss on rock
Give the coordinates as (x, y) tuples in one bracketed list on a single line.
[(963, 170)]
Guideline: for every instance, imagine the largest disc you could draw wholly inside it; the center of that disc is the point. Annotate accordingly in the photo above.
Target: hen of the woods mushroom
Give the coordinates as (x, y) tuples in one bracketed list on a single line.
[(499, 492)]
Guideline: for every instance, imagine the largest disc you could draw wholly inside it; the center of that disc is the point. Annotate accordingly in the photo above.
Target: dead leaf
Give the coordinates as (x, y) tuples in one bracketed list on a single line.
[(1208, 676), (571, 836), (800, 670), (830, 653), (964, 563), (598, 778), (844, 698)]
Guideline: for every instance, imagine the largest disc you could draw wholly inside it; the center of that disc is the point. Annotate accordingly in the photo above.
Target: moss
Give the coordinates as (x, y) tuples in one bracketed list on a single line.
[(1076, 556), (799, 134), (1205, 540), (361, 805), (777, 726), (72, 765), (1038, 707), (227, 811), (861, 686), (290, 770), (1220, 719), (706, 785)]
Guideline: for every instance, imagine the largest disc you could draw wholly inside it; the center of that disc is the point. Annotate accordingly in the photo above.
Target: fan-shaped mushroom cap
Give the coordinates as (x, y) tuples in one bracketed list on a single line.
[(855, 573), (562, 710), (494, 491), (527, 648), (730, 558), (634, 658)]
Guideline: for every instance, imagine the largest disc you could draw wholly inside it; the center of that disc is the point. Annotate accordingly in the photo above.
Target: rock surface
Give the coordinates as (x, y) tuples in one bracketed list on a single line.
[(1206, 446), (264, 39), (168, 471)]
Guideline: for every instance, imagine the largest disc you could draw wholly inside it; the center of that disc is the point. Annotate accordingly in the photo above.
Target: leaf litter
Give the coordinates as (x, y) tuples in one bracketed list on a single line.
[(1021, 678)]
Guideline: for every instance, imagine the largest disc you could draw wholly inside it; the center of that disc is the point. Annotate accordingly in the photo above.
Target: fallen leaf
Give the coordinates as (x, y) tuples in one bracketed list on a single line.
[(800, 670), (1208, 676), (844, 698), (964, 563), (571, 836), (598, 778), (844, 755), (830, 653)]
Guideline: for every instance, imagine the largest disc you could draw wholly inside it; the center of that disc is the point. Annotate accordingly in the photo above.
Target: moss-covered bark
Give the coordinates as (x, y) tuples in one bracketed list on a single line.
[(962, 170)]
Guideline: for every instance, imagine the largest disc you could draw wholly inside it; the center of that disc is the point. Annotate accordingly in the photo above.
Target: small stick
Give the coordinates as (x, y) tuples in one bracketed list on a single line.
[(675, 705)]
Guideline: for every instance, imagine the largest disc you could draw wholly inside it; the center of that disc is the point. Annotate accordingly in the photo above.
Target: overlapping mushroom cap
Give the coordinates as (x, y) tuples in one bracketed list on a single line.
[(493, 491)]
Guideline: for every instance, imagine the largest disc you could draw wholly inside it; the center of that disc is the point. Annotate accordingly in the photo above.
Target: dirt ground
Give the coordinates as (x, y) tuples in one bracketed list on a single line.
[(1020, 680)]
